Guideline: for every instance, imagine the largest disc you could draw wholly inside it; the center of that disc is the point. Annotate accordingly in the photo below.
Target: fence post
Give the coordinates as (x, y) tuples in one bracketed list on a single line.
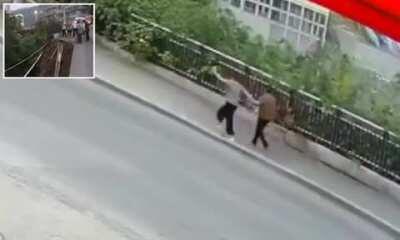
[(334, 139), (291, 103), (382, 157)]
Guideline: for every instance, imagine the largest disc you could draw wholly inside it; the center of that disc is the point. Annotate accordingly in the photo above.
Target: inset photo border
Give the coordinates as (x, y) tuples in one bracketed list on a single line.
[(49, 40)]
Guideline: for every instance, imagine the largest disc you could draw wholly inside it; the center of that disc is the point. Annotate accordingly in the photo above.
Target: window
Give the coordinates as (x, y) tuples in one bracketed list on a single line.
[(295, 9), (250, 7), (294, 22), (306, 27), (322, 19), (308, 14), (315, 30), (317, 17), (263, 11), (281, 4), (277, 16), (321, 32), (235, 3)]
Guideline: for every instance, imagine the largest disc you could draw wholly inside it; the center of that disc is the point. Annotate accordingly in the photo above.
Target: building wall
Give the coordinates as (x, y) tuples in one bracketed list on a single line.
[(49, 12), (300, 22), (256, 23)]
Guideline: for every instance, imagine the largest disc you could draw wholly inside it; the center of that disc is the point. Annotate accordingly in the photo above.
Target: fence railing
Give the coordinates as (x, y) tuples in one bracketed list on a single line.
[(333, 127)]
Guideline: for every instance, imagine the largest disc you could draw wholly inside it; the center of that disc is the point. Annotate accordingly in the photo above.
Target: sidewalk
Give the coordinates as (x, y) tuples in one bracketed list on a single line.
[(189, 104), (82, 58)]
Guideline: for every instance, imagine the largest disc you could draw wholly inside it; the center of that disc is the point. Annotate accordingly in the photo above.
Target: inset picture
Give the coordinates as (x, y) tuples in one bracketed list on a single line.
[(48, 41)]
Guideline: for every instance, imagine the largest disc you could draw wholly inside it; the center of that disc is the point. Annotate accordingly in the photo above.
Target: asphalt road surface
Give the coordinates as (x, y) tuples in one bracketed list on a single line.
[(151, 177)]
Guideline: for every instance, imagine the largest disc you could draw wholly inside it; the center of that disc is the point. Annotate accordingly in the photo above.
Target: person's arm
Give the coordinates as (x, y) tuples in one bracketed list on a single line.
[(216, 74), (250, 97)]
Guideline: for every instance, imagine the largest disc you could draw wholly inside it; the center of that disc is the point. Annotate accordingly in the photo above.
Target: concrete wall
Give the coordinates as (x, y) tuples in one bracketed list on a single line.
[(271, 31)]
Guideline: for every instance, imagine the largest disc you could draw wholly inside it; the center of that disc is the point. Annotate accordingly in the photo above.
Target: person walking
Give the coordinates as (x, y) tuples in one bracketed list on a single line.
[(235, 94), (74, 28), (266, 114), (79, 32), (69, 29), (87, 30), (64, 30), (82, 28)]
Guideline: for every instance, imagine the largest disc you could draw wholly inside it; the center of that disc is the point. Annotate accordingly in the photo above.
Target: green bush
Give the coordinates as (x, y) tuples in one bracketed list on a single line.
[(19, 44)]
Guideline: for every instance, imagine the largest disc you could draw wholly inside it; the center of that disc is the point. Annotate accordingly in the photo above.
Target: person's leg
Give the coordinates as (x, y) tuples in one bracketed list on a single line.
[(263, 123), (257, 132), (221, 113), (229, 119)]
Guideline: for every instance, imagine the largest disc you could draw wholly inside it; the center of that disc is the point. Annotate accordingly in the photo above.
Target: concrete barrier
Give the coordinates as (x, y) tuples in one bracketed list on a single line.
[(352, 168)]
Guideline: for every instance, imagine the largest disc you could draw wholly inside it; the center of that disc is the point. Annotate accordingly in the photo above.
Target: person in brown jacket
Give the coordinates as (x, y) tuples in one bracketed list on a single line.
[(266, 114)]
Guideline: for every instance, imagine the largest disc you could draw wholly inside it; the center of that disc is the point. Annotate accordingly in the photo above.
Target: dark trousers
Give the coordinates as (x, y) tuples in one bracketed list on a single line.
[(87, 35), (74, 32), (226, 112), (261, 123)]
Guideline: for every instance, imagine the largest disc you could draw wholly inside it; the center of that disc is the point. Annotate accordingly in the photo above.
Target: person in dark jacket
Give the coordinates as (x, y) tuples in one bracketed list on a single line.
[(87, 30)]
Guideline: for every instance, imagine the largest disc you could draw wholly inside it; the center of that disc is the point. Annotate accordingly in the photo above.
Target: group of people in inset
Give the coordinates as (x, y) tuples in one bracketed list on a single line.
[(77, 29), (268, 109)]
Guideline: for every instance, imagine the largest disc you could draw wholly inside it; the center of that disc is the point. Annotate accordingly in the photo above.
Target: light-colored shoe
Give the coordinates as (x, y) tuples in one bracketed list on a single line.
[(231, 139)]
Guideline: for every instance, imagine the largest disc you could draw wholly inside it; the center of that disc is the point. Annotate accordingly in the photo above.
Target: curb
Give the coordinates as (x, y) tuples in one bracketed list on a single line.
[(347, 166), (336, 199)]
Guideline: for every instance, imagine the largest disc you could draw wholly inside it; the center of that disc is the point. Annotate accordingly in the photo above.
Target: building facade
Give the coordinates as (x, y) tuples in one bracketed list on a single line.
[(300, 22), (51, 13)]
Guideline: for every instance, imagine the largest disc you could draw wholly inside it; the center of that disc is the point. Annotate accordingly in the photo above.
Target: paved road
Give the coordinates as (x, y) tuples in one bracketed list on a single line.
[(110, 156)]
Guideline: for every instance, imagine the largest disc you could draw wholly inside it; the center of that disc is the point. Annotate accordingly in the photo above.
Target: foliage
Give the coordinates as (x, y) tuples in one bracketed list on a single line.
[(19, 43)]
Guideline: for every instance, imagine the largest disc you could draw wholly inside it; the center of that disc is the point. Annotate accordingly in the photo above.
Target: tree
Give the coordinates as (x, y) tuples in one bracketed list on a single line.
[(20, 44)]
